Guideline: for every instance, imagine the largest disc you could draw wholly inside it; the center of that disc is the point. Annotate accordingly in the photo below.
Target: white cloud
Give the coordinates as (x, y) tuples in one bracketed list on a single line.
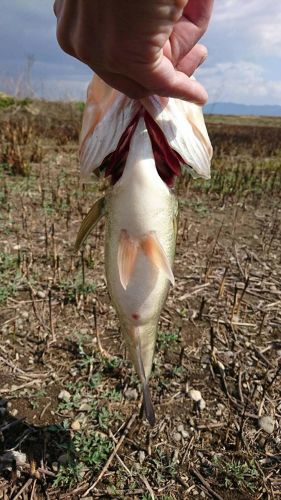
[(254, 22), (241, 81)]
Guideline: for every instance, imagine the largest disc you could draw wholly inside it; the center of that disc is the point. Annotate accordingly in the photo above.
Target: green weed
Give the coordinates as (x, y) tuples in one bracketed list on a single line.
[(234, 473), (6, 100), (9, 276), (69, 475), (165, 339)]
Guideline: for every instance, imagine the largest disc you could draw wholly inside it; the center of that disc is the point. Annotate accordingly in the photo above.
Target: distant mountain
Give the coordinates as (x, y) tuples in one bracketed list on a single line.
[(230, 108)]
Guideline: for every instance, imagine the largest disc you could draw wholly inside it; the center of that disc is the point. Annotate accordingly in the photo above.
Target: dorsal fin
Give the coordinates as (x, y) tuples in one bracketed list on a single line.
[(154, 251), (89, 222)]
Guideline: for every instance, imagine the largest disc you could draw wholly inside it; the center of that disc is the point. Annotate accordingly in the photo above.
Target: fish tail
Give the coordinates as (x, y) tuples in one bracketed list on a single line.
[(147, 402)]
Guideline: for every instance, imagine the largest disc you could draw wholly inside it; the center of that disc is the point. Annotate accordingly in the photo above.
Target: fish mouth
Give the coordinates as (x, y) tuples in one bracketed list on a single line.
[(168, 162)]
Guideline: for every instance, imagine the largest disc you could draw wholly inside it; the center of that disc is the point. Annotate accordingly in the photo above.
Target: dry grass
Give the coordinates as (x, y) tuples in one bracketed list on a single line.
[(219, 332)]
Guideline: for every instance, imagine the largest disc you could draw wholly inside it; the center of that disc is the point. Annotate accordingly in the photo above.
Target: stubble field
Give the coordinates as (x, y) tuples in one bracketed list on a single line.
[(69, 400)]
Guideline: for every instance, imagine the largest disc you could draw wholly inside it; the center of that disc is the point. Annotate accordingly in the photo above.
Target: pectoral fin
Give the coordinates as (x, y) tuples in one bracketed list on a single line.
[(154, 251), (106, 116), (126, 258), (88, 224), (182, 123)]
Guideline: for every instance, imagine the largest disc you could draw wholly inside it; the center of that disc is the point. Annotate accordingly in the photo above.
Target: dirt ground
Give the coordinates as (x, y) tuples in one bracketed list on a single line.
[(70, 424)]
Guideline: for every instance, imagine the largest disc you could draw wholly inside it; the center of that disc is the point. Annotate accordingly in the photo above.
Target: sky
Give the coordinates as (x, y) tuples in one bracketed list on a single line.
[(243, 41)]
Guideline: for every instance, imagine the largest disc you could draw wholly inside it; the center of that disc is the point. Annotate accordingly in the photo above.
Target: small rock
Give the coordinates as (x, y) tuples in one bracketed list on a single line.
[(262, 441), (202, 404), (180, 427), (221, 366), (177, 436), (267, 424), (184, 434), (131, 394), (195, 395), (85, 407), (75, 426), (63, 459), (2, 411), (25, 314), (14, 412), (64, 395), (220, 410), (141, 456), (41, 294), (10, 456), (55, 466)]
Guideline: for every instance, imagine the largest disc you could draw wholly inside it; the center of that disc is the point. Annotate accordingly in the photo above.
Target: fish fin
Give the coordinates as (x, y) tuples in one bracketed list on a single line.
[(126, 257), (154, 251), (107, 114), (89, 222), (148, 406), (182, 123), (147, 402)]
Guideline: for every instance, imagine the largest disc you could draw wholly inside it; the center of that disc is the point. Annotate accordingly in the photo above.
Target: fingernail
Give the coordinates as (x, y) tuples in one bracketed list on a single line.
[(203, 58)]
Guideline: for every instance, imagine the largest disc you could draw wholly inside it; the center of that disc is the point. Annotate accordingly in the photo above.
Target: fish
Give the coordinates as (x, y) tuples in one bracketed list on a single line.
[(142, 145)]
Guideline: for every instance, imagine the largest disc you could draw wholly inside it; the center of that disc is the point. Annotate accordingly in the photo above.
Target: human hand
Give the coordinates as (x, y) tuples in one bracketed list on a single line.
[(138, 47)]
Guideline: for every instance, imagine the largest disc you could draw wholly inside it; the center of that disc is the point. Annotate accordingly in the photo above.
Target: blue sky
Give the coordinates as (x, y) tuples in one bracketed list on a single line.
[(243, 40)]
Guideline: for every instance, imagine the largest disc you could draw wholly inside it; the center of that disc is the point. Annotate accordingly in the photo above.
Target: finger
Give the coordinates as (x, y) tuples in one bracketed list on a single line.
[(189, 29), (67, 14), (166, 81), (182, 87), (192, 60), (124, 84), (57, 7), (199, 12)]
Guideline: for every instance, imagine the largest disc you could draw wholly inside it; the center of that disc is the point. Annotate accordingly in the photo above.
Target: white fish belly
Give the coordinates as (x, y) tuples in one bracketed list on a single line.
[(143, 298)]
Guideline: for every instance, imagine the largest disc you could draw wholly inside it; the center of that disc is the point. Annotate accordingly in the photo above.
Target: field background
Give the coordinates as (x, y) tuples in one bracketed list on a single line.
[(69, 400)]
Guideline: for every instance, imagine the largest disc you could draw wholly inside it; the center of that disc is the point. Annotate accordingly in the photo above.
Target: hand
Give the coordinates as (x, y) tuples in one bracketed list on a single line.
[(140, 47)]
